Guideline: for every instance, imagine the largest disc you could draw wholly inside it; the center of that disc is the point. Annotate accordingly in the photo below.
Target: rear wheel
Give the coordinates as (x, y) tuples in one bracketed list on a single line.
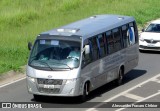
[(119, 80)]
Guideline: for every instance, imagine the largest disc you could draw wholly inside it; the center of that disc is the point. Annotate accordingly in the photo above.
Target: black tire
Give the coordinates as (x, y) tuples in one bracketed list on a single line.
[(119, 80), (141, 51), (37, 97), (83, 97)]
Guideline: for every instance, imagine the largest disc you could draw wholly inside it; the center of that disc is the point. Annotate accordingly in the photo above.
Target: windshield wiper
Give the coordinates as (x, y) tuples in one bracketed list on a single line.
[(64, 64), (67, 65), (46, 64)]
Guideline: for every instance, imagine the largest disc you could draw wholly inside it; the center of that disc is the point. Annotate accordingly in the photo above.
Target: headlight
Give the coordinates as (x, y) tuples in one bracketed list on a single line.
[(68, 81), (31, 79)]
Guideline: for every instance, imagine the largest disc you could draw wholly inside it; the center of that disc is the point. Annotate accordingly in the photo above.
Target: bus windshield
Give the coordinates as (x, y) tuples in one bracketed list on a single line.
[(55, 54)]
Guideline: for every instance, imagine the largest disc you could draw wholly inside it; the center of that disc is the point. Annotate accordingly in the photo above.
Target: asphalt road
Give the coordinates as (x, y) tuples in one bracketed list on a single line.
[(136, 88)]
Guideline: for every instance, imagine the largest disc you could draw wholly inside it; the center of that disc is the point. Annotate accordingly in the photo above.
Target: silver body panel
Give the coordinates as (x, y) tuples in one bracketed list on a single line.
[(106, 69)]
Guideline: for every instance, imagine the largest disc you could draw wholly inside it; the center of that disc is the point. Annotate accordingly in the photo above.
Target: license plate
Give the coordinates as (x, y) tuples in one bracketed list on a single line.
[(151, 45), (48, 86)]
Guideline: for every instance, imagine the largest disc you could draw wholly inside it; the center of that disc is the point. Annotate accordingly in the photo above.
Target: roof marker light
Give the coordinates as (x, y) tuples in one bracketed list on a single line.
[(92, 17), (73, 31), (120, 18), (60, 30), (68, 30)]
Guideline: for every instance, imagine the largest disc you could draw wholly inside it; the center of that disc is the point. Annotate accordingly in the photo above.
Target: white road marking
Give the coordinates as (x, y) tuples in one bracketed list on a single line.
[(122, 93), (153, 95), (156, 80), (12, 82), (95, 110), (132, 96)]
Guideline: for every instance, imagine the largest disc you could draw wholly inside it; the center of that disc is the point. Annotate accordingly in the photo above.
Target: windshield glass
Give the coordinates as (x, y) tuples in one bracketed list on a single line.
[(153, 28), (55, 54)]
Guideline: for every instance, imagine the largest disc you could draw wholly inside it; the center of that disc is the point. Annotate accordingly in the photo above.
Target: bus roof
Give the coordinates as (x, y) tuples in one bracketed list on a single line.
[(91, 26)]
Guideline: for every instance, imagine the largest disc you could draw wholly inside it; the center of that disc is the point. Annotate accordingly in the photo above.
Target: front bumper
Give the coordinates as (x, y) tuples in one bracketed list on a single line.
[(70, 89)]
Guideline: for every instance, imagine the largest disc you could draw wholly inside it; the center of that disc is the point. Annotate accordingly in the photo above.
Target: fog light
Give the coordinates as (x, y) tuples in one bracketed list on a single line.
[(30, 90), (72, 91)]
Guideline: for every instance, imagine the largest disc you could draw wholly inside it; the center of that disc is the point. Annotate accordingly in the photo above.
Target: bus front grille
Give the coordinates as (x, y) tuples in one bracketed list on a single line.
[(50, 81)]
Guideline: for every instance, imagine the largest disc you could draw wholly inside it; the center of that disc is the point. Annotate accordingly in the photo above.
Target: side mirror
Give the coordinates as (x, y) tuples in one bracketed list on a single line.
[(142, 30), (87, 49), (29, 45)]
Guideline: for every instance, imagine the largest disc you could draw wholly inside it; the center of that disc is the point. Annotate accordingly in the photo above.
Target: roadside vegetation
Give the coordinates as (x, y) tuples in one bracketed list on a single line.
[(22, 20)]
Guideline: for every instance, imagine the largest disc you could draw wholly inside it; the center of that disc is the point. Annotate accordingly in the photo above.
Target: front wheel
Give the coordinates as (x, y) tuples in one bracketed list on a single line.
[(83, 97), (36, 97)]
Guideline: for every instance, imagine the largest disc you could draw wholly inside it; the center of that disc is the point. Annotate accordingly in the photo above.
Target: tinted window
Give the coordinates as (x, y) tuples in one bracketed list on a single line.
[(95, 48), (102, 42), (87, 58), (125, 36), (110, 42), (136, 32), (117, 39)]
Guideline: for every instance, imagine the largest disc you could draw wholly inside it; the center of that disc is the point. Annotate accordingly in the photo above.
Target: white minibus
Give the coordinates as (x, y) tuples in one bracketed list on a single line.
[(77, 58)]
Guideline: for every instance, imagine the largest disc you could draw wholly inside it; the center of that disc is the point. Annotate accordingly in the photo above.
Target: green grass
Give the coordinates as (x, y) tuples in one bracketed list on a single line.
[(22, 20)]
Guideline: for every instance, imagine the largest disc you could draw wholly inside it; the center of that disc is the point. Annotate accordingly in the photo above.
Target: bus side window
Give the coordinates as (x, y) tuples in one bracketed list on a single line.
[(105, 43), (125, 36), (117, 39), (110, 42), (102, 42), (95, 48), (87, 58), (91, 49), (136, 32)]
